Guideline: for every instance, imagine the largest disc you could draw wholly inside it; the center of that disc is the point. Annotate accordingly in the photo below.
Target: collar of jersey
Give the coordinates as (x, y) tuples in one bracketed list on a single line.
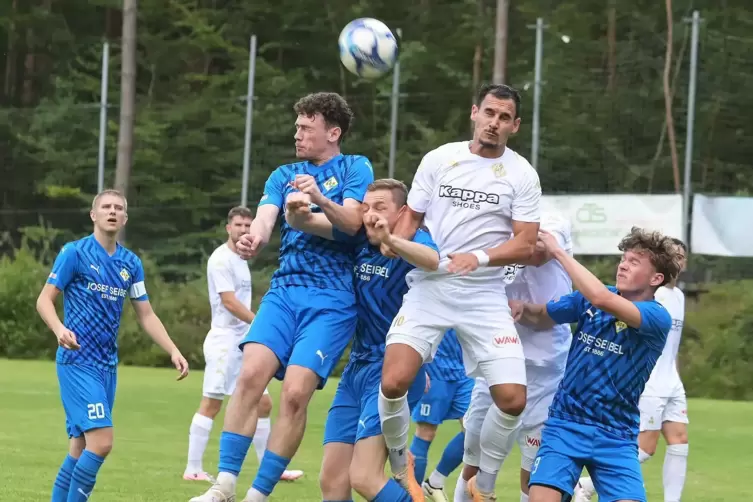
[(102, 250), (326, 164)]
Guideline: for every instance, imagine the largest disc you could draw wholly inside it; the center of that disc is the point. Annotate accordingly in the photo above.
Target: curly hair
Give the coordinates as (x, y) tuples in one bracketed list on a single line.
[(331, 105), (661, 250)]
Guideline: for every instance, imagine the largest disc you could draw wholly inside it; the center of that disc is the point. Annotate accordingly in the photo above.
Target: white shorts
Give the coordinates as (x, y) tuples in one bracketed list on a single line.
[(481, 319), (657, 410), (223, 365), (542, 385)]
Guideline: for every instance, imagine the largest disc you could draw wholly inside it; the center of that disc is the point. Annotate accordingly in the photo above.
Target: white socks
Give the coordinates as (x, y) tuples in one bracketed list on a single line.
[(261, 438), (198, 437), (497, 440), (675, 467), (523, 497), (395, 417), (460, 495), (436, 480), (643, 456)]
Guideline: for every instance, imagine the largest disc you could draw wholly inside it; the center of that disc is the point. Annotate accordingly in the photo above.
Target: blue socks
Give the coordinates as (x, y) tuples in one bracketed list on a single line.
[(84, 476), (392, 492), (271, 468), (63, 480), (420, 450), (233, 449), (452, 456)]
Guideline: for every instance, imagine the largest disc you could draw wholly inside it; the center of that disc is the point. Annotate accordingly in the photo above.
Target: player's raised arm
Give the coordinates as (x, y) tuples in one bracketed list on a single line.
[(347, 217), (267, 212), (419, 252), (299, 216), (152, 324)]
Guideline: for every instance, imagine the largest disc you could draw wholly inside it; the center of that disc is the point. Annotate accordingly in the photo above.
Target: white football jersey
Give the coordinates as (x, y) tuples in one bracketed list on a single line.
[(226, 271), (469, 203), (539, 285), (665, 379)]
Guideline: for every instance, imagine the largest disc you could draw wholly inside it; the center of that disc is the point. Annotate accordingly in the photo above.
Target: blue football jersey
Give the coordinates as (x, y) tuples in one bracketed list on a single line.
[(380, 286), (305, 259), (95, 286), (448, 361), (608, 364)]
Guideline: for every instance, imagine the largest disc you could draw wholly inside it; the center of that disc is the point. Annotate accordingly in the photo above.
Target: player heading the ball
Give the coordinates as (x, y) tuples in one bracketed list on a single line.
[(308, 315), (96, 274)]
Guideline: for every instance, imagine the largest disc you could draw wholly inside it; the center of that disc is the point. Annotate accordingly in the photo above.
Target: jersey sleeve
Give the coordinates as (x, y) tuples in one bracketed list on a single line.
[(138, 286), (359, 176), (655, 323), (423, 237), (567, 309), (525, 203), (423, 184), (220, 275), (274, 189), (64, 269)]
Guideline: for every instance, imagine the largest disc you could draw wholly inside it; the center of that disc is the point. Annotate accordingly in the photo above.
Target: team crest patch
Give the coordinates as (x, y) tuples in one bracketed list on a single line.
[(619, 326), (499, 170), (125, 275), (454, 164), (330, 183)]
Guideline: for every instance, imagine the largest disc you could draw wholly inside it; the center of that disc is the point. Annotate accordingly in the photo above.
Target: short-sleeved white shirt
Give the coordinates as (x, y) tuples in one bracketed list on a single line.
[(470, 203), (226, 271)]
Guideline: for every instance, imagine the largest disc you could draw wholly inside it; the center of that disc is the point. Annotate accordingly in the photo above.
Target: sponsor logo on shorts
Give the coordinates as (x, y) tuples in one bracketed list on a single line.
[(501, 341), (533, 441)]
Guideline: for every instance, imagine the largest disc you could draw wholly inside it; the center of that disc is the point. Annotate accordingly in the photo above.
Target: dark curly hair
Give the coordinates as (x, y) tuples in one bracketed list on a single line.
[(331, 105), (661, 250)]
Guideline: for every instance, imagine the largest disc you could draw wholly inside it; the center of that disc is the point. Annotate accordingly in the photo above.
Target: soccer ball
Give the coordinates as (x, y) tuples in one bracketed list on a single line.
[(367, 48)]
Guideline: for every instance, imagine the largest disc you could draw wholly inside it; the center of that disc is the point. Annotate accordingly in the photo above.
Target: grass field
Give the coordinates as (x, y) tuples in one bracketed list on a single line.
[(153, 411)]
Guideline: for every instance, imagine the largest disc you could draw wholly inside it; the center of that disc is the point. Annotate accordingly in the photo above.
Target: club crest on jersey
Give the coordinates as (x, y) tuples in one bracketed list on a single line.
[(330, 183), (499, 170), (125, 275), (619, 326)]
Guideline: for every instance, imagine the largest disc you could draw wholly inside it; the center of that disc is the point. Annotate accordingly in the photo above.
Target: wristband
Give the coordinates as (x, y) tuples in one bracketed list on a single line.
[(483, 258)]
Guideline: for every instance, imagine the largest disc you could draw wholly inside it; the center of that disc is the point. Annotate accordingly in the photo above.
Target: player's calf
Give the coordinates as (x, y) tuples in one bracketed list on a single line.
[(334, 478)]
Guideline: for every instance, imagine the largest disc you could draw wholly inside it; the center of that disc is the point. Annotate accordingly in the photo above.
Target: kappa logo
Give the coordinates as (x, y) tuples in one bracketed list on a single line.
[(467, 199)]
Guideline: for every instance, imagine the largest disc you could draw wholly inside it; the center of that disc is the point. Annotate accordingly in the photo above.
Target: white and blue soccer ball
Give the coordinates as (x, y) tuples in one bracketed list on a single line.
[(367, 48)]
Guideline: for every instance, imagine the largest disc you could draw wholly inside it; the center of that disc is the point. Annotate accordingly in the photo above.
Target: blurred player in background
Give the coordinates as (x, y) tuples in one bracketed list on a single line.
[(448, 398), (472, 197), (308, 315), (229, 283), (354, 451), (663, 405), (540, 280), (95, 274), (593, 421)]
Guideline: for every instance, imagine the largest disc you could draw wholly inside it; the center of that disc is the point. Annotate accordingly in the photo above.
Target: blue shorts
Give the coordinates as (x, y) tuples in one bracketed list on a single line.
[(444, 401), (611, 460), (88, 395), (354, 414), (304, 327)]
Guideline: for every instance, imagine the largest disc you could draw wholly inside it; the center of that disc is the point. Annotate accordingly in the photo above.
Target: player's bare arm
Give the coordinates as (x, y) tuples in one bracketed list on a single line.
[(414, 253), (591, 287), (153, 326), (517, 250), (346, 217), (48, 313), (408, 223), (299, 216), (532, 315), (258, 236), (235, 307)]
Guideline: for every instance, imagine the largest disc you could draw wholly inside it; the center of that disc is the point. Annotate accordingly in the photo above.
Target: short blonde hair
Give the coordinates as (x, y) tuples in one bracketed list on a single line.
[(397, 187), (109, 191), (661, 250)]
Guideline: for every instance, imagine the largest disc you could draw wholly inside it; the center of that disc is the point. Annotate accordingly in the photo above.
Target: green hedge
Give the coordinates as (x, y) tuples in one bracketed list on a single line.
[(716, 357)]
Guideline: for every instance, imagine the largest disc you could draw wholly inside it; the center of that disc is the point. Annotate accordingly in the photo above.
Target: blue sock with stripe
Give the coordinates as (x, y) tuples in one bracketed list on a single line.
[(63, 480), (84, 476), (420, 450), (452, 456)]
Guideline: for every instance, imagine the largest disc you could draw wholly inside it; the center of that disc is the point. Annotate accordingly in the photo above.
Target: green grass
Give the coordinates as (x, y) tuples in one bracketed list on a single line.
[(153, 411)]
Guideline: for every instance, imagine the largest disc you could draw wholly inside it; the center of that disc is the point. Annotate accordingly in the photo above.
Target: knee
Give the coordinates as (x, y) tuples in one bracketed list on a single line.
[(427, 432), (100, 444), (509, 398), (294, 400), (333, 482), (210, 407), (648, 448), (249, 380), (678, 438), (265, 406), (364, 481)]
